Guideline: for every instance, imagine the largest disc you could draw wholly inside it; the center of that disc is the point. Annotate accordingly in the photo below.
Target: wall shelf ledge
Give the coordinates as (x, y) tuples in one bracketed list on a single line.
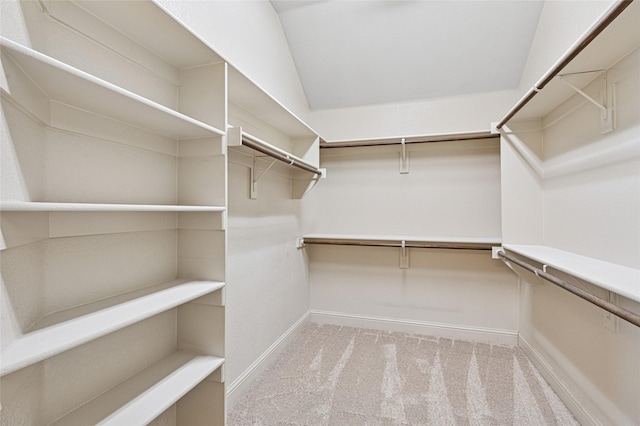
[(66, 330), (146, 395), (618, 279), (68, 85), (19, 206)]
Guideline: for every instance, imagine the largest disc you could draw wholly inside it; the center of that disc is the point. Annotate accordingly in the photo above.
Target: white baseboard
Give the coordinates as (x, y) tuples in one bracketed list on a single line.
[(579, 411), (242, 383), (476, 334)]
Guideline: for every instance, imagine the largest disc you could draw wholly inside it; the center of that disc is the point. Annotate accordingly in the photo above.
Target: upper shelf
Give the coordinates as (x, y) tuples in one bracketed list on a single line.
[(146, 22), (619, 279), (250, 97), (615, 42), (65, 84), (237, 137)]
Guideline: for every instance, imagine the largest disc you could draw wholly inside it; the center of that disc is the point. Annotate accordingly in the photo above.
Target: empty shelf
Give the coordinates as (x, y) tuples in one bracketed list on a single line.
[(619, 279), (58, 337), (148, 394), (68, 85), (94, 207)]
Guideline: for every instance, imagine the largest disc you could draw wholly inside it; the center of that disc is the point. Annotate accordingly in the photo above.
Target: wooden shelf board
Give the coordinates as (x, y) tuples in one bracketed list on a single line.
[(146, 395), (95, 207), (46, 341), (619, 279), (68, 85)]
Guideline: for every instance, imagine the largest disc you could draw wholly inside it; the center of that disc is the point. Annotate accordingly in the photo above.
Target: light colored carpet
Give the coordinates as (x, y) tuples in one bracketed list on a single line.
[(332, 375)]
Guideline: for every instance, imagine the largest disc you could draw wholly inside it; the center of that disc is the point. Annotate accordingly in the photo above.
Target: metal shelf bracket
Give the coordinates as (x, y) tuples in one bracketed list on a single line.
[(404, 256), (404, 158), (254, 180), (605, 104)]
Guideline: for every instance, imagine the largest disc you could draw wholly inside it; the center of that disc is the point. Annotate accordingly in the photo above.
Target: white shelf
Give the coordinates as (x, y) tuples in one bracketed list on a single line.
[(250, 97), (68, 85), (148, 394), (92, 207), (49, 340), (237, 138), (619, 279), (485, 243), (149, 24)]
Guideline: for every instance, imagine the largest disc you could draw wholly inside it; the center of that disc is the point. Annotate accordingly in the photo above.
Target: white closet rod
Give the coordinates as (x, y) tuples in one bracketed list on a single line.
[(398, 141), (604, 304), (594, 30), (271, 151), (399, 243)]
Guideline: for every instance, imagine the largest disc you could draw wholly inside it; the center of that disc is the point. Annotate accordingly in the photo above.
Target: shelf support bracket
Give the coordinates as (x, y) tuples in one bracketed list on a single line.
[(254, 180), (404, 158), (404, 256), (605, 104)]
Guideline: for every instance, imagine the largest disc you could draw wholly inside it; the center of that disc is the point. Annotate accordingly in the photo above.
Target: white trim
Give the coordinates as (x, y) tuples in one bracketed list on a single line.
[(451, 331), (242, 383), (580, 412)]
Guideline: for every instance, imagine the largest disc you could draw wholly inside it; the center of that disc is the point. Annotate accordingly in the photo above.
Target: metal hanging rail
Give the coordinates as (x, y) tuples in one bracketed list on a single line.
[(604, 304), (270, 150), (399, 243), (603, 22), (411, 140)]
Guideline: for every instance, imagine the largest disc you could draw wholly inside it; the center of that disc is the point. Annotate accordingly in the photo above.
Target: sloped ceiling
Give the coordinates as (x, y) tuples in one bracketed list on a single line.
[(352, 53)]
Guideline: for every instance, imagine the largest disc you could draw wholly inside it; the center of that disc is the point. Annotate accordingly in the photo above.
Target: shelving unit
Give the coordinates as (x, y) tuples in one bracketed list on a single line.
[(114, 212), (113, 219)]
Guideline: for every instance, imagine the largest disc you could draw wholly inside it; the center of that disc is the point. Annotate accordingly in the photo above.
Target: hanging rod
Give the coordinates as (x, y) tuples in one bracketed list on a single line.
[(274, 152), (594, 30), (399, 243), (417, 139), (604, 304)]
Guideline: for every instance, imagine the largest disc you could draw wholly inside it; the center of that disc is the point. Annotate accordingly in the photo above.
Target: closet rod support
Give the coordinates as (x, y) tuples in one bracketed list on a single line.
[(404, 256), (404, 158), (583, 94)]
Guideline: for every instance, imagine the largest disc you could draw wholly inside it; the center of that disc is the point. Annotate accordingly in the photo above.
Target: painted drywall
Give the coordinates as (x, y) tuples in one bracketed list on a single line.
[(452, 190), (249, 36), (433, 116), (267, 277)]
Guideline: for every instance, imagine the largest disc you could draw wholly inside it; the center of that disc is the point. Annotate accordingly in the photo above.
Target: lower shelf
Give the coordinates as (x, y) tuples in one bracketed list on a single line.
[(146, 395), (105, 317), (619, 279)]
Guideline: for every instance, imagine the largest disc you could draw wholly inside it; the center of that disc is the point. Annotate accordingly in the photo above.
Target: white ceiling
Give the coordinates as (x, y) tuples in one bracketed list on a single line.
[(351, 52)]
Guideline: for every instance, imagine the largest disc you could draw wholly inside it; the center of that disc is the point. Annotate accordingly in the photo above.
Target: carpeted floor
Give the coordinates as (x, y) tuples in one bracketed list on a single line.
[(332, 375)]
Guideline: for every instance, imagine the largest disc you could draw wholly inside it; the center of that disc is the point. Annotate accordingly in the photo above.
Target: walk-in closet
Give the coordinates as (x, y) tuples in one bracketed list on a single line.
[(319, 212)]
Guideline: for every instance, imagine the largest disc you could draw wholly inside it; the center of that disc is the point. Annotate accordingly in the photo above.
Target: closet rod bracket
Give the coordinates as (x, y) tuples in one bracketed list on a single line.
[(254, 180), (404, 256), (605, 104), (404, 158)]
